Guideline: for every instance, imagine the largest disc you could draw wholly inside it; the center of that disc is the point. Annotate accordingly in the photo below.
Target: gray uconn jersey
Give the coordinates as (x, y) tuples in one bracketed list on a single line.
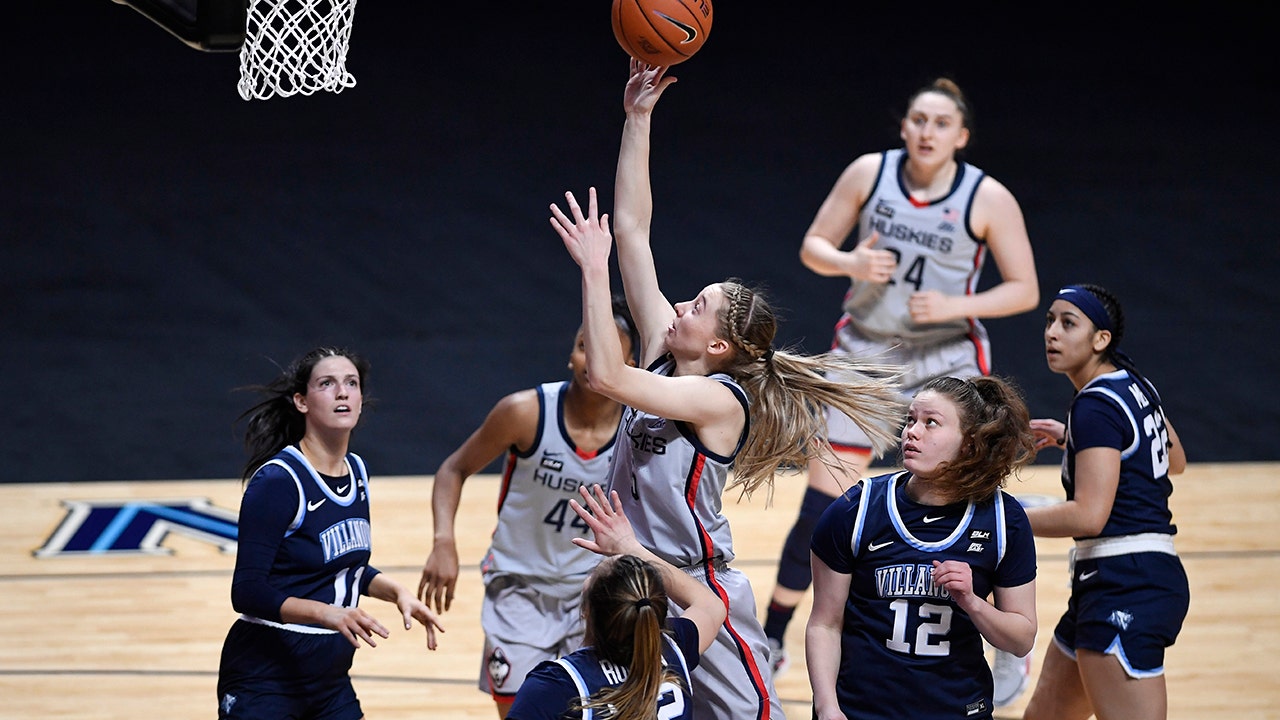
[(671, 486), (535, 522), (935, 249)]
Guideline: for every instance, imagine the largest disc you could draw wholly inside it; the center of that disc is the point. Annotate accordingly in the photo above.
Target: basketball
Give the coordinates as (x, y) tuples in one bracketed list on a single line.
[(661, 32)]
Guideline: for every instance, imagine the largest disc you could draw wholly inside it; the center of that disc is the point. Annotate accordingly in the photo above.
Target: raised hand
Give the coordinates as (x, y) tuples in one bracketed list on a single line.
[(609, 524), (644, 87), (587, 239)]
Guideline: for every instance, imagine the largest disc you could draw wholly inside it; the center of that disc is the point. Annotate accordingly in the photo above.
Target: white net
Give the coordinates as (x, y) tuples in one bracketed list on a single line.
[(295, 46)]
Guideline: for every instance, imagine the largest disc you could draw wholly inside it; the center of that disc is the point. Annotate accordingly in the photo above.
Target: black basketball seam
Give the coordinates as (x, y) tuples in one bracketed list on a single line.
[(649, 22)]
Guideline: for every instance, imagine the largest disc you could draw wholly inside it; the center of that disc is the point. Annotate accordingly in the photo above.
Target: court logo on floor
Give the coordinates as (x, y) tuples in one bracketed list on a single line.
[(138, 527)]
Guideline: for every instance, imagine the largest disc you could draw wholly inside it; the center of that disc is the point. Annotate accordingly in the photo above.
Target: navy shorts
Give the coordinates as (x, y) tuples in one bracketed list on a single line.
[(1131, 606), (268, 673)]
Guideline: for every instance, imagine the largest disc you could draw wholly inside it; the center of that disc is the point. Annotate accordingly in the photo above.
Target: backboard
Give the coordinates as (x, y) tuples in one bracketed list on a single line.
[(206, 25)]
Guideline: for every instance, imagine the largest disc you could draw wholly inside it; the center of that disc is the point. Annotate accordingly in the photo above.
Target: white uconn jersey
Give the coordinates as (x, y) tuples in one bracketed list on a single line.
[(535, 523), (935, 249), (671, 486)]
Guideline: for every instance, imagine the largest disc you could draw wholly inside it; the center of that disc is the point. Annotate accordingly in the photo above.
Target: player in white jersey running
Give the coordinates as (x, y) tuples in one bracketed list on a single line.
[(558, 437), (713, 394), (923, 223)]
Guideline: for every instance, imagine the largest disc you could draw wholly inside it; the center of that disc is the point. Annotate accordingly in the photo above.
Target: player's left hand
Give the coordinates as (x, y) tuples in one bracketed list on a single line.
[(929, 306), (411, 608), (610, 528)]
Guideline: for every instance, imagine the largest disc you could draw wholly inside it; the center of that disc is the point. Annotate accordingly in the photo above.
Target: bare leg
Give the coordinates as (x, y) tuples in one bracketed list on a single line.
[(1060, 693), (1115, 695)]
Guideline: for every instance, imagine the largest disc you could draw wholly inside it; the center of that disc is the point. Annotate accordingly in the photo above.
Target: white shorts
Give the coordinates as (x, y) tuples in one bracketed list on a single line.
[(524, 623), (733, 679)]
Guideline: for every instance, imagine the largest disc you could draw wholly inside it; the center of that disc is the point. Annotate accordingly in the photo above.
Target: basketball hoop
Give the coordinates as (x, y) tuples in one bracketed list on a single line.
[(295, 46)]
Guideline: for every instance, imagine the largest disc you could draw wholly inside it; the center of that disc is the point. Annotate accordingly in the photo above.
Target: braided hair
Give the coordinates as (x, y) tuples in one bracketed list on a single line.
[(789, 392)]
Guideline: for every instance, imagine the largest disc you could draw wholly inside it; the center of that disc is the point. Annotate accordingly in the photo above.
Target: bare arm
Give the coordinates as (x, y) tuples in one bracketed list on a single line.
[(997, 219), (705, 403), (822, 637), (612, 535), (512, 421), (836, 219), (633, 211), (1009, 623), (1097, 475), (1177, 455)]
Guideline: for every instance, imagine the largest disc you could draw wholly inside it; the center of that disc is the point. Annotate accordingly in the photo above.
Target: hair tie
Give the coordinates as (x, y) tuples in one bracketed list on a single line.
[(643, 603), (768, 354)]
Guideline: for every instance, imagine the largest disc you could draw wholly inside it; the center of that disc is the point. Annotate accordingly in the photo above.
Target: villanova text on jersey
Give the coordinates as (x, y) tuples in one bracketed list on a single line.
[(908, 580), (345, 536)]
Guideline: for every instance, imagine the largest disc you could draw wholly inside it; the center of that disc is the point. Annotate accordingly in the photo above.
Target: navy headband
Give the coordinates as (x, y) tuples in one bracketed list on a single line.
[(1088, 303)]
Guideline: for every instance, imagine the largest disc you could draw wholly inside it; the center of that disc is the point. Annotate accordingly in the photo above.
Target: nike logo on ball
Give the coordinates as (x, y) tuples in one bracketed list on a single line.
[(690, 32)]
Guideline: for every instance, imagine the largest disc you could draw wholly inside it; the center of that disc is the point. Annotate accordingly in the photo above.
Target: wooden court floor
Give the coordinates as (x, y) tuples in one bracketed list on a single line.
[(118, 635)]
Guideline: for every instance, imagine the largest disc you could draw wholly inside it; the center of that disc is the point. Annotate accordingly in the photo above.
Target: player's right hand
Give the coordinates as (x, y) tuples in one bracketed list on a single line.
[(355, 625), (439, 576), (869, 264)]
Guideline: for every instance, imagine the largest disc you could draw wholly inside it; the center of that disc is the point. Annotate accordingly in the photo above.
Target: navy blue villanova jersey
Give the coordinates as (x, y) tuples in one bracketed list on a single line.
[(555, 685), (1114, 410), (325, 552), (907, 649)]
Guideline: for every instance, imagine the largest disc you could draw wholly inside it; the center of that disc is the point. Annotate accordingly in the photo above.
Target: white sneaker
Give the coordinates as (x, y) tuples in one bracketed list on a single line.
[(778, 659), (1012, 674)]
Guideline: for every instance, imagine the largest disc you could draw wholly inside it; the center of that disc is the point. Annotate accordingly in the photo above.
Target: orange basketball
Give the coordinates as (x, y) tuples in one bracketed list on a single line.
[(661, 32)]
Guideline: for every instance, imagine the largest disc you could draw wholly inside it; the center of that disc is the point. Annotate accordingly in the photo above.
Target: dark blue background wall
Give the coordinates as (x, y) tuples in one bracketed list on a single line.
[(165, 241)]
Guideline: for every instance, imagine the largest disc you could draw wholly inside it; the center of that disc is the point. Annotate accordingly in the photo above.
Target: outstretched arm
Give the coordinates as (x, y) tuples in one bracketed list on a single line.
[(633, 210), (702, 401), (613, 536)]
